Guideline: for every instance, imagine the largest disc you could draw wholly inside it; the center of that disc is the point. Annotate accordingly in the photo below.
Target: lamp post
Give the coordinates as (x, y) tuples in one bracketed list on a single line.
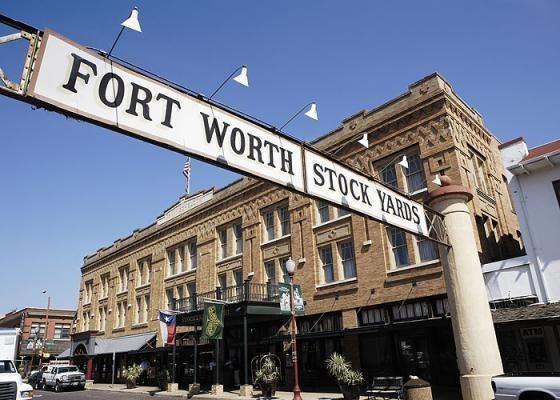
[(46, 326), (35, 333), (290, 268)]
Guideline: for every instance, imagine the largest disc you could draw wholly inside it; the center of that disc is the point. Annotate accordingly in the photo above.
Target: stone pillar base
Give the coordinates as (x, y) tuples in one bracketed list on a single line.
[(194, 388), (476, 386), (217, 389), (172, 387), (424, 393), (246, 390), (89, 383)]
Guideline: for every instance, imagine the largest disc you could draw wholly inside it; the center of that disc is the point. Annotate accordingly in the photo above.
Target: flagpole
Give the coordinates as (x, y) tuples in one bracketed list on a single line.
[(174, 352)]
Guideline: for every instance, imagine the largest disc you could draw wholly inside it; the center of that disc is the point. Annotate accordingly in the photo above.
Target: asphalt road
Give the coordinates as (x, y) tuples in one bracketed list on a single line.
[(91, 395)]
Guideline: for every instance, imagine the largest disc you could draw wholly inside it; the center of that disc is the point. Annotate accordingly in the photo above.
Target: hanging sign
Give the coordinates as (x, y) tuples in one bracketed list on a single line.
[(213, 321), (92, 87), (284, 295)]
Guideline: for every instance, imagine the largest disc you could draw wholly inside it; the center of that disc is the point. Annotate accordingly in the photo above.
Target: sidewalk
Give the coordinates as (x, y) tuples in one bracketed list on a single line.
[(234, 394), (227, 395)]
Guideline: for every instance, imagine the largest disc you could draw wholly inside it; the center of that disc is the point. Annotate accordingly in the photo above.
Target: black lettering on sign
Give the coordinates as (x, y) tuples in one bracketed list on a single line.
[(318, 175), (75, 72), (256, 148), (214, 130), (169, 103), (135, 100), (118, 91)]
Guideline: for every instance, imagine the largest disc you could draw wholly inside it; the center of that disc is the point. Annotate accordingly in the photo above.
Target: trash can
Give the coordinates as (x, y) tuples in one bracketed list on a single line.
[(417, 389)]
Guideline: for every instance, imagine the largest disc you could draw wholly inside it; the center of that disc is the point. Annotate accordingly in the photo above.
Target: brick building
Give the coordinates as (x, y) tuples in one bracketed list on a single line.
[(34, 331), (372, 292)]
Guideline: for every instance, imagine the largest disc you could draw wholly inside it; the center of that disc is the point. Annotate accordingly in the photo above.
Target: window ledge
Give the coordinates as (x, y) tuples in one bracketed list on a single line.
[(229, 258), (182, 273), (332, 221), (414, 266), (122, 292), (118, 329), (326, 285), (143, 286), (140, 325), (276, 239)]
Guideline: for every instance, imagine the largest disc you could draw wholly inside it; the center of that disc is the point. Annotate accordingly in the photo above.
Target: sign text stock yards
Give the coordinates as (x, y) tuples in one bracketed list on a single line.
[(77, 80)]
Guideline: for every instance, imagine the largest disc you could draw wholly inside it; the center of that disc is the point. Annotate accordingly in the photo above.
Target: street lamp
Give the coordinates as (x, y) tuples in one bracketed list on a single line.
[(46, 325), (291, 268), (35, 333)]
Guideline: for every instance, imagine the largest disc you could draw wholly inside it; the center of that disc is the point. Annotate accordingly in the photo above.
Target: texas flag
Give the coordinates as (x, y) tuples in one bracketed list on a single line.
[(167, 324)]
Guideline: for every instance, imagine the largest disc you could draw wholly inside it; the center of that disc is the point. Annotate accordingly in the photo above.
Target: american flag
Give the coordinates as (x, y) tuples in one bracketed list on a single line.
[(187, 173)]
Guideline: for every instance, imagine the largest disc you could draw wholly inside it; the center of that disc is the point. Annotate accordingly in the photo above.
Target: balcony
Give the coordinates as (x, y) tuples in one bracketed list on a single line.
[(247, 292)]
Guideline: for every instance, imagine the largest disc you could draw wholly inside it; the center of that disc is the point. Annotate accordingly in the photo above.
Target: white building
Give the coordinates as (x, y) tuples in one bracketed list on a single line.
[(525, 291), (533, 177)]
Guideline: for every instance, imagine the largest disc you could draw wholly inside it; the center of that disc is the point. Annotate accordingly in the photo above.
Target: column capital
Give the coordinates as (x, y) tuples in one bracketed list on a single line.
[(448, 189)]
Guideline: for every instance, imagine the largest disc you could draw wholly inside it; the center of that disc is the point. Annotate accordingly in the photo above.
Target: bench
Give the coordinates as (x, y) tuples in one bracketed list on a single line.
[(386, 387)]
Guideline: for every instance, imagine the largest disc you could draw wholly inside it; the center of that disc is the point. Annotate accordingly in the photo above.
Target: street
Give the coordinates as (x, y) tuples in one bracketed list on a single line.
[(91, 395)]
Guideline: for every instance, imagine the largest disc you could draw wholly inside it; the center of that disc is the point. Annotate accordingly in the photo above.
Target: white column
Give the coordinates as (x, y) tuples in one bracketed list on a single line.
[(477, 350)]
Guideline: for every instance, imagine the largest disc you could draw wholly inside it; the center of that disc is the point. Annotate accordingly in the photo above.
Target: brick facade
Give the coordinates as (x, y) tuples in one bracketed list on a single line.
[(429, 120)]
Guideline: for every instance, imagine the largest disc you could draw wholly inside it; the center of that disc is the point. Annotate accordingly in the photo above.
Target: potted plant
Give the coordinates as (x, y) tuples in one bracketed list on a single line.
[(131, 375), (267, 377), (348, 380), (163, 378)]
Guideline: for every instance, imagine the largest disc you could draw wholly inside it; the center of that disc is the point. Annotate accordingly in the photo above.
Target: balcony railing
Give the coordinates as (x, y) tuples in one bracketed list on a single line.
[(248, 291)]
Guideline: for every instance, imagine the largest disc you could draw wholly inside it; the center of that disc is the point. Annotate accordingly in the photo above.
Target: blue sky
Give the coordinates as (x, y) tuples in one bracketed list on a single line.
[(69, 188)]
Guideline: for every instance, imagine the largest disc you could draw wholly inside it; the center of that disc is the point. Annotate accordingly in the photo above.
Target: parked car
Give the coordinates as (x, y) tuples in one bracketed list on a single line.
[(526, 386), (61, 377), (11, 385)]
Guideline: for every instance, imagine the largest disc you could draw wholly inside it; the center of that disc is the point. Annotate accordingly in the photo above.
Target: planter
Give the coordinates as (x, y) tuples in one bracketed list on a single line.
[(130, 384), (268, 389), (350, 392)]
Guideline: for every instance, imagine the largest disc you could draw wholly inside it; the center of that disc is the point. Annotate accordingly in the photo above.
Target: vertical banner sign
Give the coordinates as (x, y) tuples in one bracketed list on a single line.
[(284, 295), (83, 83), (213, 321)]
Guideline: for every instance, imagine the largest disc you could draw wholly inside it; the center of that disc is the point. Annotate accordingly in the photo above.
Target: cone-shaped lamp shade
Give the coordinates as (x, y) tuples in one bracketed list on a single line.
[(404, 162), (364, 141), (436, 180), (132, 21), (312, 112), (242, 77)]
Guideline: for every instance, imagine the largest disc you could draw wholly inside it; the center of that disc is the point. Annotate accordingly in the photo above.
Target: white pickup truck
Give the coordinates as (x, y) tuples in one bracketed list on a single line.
[(526, 386), (11, 386), (61, 377)]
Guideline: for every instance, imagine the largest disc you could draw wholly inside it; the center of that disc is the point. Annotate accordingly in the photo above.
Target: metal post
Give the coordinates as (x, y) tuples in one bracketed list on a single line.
[(113, 374), (46, 329), (195, 353), (174, 353), (245, 351), (297, 391), (217, 361)]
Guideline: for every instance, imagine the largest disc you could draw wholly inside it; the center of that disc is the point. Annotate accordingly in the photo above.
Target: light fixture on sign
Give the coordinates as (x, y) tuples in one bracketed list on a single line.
[(436, 180), (242, 79), (311, 113), (404, 162), (364, 141), (131, 23)]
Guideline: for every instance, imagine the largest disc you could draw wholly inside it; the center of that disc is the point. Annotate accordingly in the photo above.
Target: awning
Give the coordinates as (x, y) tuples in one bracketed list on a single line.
[(533, 312), (122, 344), (64, 354)]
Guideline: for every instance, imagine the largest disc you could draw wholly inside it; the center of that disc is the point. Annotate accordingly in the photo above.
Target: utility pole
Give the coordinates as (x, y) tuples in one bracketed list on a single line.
[(46, 326)]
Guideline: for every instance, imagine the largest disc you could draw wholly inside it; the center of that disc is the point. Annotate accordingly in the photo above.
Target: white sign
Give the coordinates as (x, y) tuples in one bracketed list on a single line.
[(331, 181), (87, 84)]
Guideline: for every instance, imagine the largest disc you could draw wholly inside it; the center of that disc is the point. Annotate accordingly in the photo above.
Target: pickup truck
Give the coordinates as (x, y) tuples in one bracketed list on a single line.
[(61, 377), (11, 385), (526, 386)]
